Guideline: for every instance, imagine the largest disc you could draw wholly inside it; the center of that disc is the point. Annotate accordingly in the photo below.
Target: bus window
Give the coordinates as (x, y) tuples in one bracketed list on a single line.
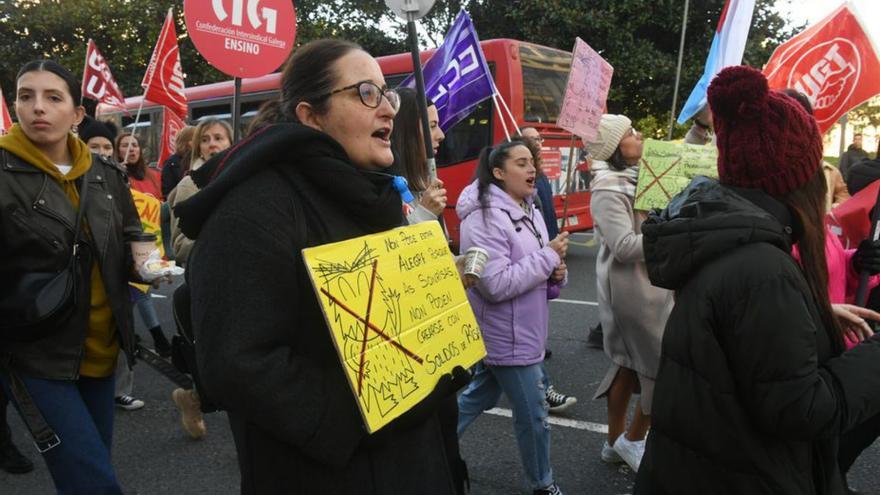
[(545, 74), (466, 138)]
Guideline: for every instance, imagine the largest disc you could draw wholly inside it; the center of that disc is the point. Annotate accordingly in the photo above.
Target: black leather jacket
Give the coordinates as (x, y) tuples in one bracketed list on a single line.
[(36, 234)]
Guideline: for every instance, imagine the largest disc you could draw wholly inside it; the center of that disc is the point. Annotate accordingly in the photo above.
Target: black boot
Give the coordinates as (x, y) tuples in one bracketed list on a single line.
[(12, 460), (163, 347)]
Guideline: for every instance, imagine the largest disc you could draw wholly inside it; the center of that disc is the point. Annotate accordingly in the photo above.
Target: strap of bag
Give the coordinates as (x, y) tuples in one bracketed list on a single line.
[(84, 188), (45, 438)]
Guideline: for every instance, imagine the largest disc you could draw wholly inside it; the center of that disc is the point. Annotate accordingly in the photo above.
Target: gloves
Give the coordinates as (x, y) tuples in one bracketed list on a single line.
[(445, 389), (867, 257)]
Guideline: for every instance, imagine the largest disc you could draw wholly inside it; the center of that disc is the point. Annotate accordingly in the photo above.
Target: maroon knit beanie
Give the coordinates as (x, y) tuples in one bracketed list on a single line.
[(765, 139)]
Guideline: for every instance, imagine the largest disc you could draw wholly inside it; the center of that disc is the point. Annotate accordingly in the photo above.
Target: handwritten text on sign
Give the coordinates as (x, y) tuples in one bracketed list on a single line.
[(398, 315), (586, 92), (667, 168)]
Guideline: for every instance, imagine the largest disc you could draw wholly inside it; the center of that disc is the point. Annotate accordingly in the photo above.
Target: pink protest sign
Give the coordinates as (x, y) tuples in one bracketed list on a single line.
[(586, 92)]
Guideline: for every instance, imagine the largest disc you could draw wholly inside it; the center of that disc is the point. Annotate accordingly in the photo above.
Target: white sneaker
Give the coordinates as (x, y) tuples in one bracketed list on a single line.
[(610, 455), (631, 452)]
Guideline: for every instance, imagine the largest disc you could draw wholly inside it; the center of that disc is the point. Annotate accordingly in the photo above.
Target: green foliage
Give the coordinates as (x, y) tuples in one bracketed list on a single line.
[(866, 115)]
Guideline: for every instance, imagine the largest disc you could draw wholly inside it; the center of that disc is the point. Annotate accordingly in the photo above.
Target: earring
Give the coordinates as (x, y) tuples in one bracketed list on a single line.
[(75, 129)]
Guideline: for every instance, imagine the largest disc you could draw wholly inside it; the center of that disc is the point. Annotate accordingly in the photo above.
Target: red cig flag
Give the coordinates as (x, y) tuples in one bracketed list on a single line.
[(5, 118), (98, 83), (833, 62), (163, 81), (171, 125)]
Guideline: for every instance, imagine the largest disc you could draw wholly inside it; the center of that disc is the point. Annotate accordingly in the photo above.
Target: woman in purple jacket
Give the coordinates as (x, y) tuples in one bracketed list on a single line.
[(498, 214)]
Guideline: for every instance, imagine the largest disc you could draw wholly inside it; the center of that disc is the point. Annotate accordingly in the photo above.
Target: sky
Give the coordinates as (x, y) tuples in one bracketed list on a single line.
[(798, 12)]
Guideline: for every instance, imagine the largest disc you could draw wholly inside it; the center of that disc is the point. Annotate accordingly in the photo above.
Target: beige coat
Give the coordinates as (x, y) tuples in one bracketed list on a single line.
[(181, 244), (633, 312)]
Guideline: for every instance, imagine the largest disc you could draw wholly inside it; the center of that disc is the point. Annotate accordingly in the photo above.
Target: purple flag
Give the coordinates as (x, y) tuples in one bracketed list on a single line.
[(457, 77)]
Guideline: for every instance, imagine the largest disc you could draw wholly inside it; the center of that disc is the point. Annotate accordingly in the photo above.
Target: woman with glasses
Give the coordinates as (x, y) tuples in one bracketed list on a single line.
[(263, 348), (632, 312)]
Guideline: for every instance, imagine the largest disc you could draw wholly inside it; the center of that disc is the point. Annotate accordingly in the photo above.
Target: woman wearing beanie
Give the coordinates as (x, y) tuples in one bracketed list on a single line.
[(632, 312), (754, 389)]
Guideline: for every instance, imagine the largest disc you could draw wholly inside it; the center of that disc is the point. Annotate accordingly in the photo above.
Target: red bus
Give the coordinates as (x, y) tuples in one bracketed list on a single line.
[(531, 79)]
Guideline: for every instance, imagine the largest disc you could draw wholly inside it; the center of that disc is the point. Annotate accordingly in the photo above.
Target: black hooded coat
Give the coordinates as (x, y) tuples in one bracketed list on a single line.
[(751, 395), (263, 349)]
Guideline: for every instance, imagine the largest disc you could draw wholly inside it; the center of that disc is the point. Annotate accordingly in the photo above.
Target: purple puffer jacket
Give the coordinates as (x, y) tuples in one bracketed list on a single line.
[(510, 301)]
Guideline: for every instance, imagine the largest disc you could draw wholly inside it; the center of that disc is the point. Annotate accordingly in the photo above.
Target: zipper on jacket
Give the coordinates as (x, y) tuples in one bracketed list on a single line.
[(38, 231)]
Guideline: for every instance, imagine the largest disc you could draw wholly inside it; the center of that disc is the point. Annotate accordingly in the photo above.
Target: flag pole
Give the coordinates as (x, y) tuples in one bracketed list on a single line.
[(568, 183), (500, 115), (678, 71), (82, 90)]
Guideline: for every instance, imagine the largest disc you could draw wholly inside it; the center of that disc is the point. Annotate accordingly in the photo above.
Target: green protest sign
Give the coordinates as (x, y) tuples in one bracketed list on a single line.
[(667, 168)]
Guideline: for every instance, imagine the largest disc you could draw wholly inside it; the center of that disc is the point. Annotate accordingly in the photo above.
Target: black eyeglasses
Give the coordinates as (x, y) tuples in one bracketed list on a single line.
[(370, 94)]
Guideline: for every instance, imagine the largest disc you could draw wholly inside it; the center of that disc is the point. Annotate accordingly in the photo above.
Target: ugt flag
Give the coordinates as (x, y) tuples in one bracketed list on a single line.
[(727, 49), (5, 118), (457, 77), (171, 125), (98, 83), (833, 62), (164, 78)]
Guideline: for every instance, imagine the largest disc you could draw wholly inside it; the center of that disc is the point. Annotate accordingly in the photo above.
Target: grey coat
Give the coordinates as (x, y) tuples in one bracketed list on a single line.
[(633, 312)]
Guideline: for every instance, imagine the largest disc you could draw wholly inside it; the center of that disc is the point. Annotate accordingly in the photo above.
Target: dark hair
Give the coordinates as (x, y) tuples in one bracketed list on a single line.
[(308, 75), (73, 87), (407, 141), (616, 161), (800, 97), (138, 170), (807, 205), (534, 147), (269, 113), (490, 159)]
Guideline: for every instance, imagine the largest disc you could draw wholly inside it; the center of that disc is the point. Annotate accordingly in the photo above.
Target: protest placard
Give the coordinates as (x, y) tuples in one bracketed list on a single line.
[(398, 315), (586, 92), (667, 168), (149, 209)]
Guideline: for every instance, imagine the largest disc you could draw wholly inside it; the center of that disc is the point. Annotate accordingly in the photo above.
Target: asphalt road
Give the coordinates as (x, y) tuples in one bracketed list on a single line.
[(154, 456)]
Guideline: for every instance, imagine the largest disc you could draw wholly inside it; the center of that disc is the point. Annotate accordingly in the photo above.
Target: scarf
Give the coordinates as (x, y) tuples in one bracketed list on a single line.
[(367, 196), (607, 179)]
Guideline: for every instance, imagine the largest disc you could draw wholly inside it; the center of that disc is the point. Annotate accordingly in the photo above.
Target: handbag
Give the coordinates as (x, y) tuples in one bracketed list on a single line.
[(40, 302)]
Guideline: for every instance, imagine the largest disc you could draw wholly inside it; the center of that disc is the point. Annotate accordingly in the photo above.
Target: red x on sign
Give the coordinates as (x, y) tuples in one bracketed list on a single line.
[(656, 180)]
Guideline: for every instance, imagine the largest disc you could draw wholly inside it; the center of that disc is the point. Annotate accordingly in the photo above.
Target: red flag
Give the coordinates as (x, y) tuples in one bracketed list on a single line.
[(5, 118), (833, 62), (851, 220), (164, 78), (98, 83), (171, 125)]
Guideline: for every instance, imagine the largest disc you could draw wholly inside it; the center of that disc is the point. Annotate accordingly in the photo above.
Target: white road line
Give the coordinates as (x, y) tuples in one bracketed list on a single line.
[(554, 420), (574, 301), (158, 296)]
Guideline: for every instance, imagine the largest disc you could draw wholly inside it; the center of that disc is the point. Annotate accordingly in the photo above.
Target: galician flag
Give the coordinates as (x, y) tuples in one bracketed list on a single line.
[(727, 49)]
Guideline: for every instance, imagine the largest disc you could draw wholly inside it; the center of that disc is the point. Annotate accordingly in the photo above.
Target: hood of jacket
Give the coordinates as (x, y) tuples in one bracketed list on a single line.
[(316, 157), (704, 222), (469, 202)]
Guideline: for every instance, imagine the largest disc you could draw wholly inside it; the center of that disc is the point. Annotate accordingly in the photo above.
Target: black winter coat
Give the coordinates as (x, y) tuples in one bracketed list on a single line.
[(263, 348), (36, 235), (750, 397)]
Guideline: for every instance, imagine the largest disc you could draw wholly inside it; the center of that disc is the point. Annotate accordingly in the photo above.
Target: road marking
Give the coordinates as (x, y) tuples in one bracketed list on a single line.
[(158, 296), (554, 420), (574, 301)]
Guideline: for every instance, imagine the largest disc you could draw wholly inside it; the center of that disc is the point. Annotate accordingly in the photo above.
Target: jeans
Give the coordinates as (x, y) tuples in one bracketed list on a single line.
[(524, 388), (144, 303), (81, 413), (165, 220), (124, 376)]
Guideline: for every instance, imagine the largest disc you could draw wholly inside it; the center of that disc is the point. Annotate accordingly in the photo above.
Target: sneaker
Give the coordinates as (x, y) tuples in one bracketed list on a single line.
[(558, 402), (596, 339), (631, 452), (12, 461), (553, 489), (190, 412), (128, 403), (610, 455)]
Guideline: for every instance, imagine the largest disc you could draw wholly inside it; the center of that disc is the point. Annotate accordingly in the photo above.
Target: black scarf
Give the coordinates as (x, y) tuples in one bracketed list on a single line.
[(367, 196)]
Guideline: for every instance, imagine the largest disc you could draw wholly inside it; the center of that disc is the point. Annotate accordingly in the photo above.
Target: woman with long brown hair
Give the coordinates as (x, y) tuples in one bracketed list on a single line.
[(754, 387)]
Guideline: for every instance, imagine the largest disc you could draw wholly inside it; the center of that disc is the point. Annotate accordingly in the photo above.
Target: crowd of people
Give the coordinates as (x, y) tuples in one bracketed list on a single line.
[(725, 316)]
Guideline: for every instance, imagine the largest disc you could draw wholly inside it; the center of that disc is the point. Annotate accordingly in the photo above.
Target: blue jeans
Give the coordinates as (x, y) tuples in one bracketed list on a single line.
[(524, 388), (144, 303), (81, 413)]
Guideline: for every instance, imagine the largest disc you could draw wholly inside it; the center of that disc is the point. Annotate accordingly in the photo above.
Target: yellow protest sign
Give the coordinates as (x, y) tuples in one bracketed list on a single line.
[(667, 168), (150, 211), (397, 313)]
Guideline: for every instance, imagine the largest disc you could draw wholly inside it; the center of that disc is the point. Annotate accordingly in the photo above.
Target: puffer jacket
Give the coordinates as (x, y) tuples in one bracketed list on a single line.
[(36, 235), (752, 393), (510, 301)]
